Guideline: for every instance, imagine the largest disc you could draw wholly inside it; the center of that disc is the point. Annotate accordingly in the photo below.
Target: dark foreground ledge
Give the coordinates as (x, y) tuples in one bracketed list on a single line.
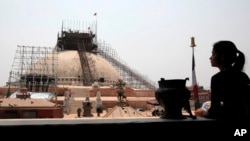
[(122, 127)]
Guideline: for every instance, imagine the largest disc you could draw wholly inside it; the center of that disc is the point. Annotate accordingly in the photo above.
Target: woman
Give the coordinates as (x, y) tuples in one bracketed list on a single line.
[(229, 99)]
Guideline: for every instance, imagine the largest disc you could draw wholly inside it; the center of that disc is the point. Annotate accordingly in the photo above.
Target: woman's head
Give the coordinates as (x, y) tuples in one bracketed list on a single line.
[(225, 55)]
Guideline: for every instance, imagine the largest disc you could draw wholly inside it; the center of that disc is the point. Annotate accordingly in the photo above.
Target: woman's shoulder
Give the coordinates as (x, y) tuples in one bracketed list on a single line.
[(220, 74), (245, 77), (231, 75), (220, 78), (244, 74)]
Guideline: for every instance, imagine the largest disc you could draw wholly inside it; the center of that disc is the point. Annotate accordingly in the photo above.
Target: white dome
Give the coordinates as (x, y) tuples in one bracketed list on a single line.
[(69, 68)]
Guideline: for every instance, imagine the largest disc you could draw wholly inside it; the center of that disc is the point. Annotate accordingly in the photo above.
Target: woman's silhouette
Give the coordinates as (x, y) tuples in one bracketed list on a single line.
[(229, 99)]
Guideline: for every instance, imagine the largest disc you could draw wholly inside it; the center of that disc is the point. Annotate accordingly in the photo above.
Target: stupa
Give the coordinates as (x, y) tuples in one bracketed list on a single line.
[(76, 62)]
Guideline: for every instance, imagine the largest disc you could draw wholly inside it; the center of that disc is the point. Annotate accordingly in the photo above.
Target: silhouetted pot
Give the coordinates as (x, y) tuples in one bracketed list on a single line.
[(170, 95)]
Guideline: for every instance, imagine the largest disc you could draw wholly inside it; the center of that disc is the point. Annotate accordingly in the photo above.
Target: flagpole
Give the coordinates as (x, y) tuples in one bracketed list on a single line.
[(95, 14), (194, 81)]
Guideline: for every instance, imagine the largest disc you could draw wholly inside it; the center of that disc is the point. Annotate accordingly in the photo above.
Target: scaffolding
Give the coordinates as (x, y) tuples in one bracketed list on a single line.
[(132, 77), (34, 68), (82, 42)]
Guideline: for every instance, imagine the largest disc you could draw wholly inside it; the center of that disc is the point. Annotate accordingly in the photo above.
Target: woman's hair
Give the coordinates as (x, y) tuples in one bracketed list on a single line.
[(228, 55)]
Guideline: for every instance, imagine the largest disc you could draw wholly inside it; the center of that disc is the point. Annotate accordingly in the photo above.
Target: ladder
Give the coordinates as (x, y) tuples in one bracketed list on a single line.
[(86, 70)]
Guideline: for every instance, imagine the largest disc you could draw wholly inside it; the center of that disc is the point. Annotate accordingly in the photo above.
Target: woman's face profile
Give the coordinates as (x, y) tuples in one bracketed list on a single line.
[(214, 59)]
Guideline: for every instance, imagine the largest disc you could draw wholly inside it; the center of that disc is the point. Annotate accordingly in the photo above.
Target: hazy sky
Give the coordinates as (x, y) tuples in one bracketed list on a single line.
[(151, 36)]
